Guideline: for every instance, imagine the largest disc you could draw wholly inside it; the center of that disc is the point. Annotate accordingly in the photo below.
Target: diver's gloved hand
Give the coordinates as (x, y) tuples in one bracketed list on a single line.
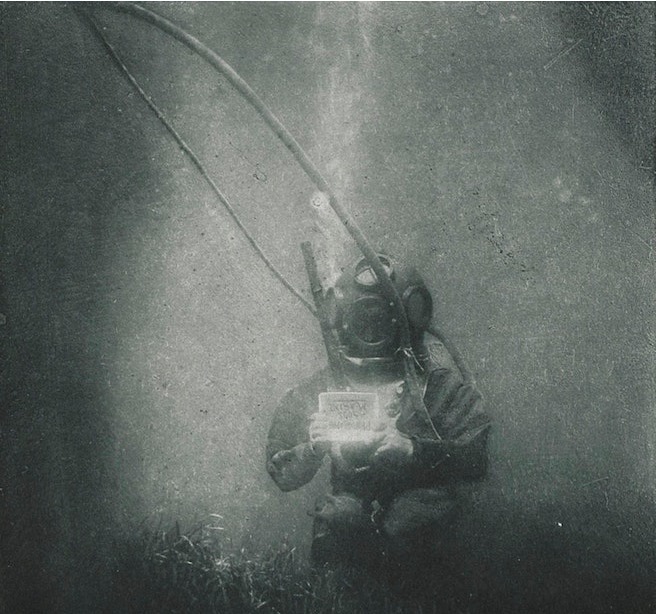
[(395, 448), (291, 468), (280, 459), (347, 455), (319, 433)]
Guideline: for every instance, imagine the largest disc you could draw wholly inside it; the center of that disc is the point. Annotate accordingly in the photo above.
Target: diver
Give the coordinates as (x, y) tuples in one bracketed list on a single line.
[(395, 478)]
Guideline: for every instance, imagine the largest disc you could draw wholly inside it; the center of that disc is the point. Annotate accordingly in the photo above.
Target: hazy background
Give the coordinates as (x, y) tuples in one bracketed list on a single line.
[(505, 149)]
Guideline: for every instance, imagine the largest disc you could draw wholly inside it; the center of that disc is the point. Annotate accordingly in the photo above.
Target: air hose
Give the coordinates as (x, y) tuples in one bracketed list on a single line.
[(391, 293)]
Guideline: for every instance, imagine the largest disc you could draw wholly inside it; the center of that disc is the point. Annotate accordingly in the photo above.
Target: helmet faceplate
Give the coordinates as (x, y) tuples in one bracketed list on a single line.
[(365, 321)]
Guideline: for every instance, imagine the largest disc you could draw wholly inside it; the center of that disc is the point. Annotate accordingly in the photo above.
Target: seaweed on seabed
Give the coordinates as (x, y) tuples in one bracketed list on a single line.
[(174, 572)]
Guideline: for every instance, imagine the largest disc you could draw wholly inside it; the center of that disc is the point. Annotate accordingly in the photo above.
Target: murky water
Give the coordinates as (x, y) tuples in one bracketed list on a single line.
[(148, 345)]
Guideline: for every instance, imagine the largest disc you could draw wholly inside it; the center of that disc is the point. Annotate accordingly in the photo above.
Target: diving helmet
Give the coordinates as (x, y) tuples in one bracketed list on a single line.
[(366, 322)]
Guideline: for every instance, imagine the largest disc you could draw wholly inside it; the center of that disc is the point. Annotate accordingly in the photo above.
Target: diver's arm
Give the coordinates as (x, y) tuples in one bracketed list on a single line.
[(453, 460), (291, 460), (293, 467), (457, 410)]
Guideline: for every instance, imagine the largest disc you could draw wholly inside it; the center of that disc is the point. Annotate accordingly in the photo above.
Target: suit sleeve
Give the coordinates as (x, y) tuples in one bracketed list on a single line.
[(290, 458), (456, 410)]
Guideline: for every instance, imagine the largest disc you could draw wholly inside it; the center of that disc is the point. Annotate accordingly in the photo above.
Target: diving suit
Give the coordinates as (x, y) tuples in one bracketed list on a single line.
[(395, 489)]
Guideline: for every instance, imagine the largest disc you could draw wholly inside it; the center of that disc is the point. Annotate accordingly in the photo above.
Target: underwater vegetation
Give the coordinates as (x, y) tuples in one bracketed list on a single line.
[(170, 571), (602, 564)]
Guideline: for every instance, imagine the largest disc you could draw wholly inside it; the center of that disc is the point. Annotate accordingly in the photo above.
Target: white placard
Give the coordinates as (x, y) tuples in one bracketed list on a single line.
[(352, 415)]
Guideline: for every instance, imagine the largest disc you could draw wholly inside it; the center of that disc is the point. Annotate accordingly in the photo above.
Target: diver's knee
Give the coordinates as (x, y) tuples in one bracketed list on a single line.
[(418, 517), (341, 512)]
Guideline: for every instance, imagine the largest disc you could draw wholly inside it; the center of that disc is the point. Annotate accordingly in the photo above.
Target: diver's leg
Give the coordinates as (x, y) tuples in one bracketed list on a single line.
[(415, 521), (343, 532)]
